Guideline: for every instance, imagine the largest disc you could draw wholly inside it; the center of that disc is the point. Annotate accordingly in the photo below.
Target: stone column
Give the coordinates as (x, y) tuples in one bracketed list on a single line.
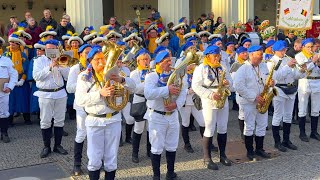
[(316, 7), (246, 10), (85, 13), (227, 9), (173, 10)]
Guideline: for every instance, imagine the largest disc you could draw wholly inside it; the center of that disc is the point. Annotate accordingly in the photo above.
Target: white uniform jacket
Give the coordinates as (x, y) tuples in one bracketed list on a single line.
[(88, 96), (283, 75), (200, 79), (72, 81), (247, 84), (7, 71), (45, 79), (308, 85), (155, 95)]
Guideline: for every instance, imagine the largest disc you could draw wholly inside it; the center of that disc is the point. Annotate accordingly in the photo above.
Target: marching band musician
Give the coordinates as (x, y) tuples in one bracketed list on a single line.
[(19, 96), (99, 40), (163, 119), (204, 35), (2, 43), (52, 95), (249, 83), (65, 38), (224, 56), (246, 43), (307, 87), (89, 37), (80, 113), (231, 52), (177, 41), (185, 48), (152, 35), (268, 53), (283, 103), (8, 80), (103, 124), (206, 78), (138, 75), (242, 57)]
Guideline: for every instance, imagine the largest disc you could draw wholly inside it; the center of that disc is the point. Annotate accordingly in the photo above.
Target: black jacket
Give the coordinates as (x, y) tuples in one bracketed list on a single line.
[(44, 23), (61, 30)]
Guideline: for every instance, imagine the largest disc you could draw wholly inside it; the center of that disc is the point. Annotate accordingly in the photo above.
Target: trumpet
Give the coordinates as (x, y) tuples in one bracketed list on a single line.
[(299, 67)]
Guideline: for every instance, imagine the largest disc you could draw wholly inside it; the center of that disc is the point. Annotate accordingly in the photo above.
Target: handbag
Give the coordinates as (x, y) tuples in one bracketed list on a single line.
[(138, 110), (197, 102)]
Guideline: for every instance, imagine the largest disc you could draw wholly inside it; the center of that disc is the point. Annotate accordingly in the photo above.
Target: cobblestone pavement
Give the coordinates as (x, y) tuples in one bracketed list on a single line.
[(304, 163)]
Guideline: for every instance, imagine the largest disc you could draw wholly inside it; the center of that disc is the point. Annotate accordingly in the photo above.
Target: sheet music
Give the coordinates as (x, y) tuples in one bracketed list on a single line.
[(52, 53)]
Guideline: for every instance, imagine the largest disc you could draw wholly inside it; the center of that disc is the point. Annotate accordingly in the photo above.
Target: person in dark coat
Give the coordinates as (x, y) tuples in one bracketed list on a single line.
[(63, 28), (47, 20)]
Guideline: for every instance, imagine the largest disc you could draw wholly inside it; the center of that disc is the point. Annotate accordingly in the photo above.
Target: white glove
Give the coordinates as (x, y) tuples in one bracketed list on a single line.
[(20, 82)]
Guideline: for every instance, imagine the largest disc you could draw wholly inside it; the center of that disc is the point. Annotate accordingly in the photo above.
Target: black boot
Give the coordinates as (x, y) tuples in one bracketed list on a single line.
[(213, 147), (201, 129), (314, 128), (222, 142), (58, 132), (206, 145), (302, 127), (94, 175), (135, 147), (235, 106), (78, 147), (26, 117), (241, 126), (148, 145), (191, 125), (128, 133), (186, 139), (155, 160), (249, 146), (46, 136), (10, 118), (277, 139), (4, 122), (286, 137), (110, 175), (259, 147), (171, 158), (121, 140), (71, 112)]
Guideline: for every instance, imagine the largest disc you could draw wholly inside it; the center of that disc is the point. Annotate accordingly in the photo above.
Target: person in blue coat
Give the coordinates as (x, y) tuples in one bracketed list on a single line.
[(19, 99), (34, 104), (177, 40)]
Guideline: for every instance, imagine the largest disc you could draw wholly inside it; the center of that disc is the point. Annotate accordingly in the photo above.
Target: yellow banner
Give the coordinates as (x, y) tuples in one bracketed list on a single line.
[(295, 14)]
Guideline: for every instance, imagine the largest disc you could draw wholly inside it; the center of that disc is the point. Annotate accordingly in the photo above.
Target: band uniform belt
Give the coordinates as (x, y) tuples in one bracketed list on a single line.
[(108, 115), (51, 90), (285, 85), (210, 87), (140, 95), (311, 77), (162, 112)]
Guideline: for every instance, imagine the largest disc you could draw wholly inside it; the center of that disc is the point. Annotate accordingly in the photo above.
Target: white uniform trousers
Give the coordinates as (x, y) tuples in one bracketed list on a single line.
[(283, 108), (241, 113), (163, 132), (252, 119), (303, 103), (139, 126), (81, 126), (4, 106), (126, 114), (213, 117), (52, 108), (103, 145), (185, 113)]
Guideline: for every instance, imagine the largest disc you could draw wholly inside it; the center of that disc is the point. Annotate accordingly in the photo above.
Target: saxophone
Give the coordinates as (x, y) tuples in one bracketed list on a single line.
[(177, 75), (112, 53), (223, 91), (267, 94)]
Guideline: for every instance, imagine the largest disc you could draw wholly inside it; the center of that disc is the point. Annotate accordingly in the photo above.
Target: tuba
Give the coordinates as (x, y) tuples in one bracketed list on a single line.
[(177, 75), (267, 94), (112, 52), (224, 92), (65, 60), (130, 56)]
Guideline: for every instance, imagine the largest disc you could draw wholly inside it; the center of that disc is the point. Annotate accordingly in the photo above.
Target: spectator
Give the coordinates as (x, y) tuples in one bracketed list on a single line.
[(127, 25), (34, 30), (112, 22), (13, 24), (63, 28), (123, 32), (202, 18), (47, 20), (297, 47), (211, 17), (67, 17), (249, 26), (170, 31), (289, 39), (219, 21), (28, 15), (85, 31), (184, 19)]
